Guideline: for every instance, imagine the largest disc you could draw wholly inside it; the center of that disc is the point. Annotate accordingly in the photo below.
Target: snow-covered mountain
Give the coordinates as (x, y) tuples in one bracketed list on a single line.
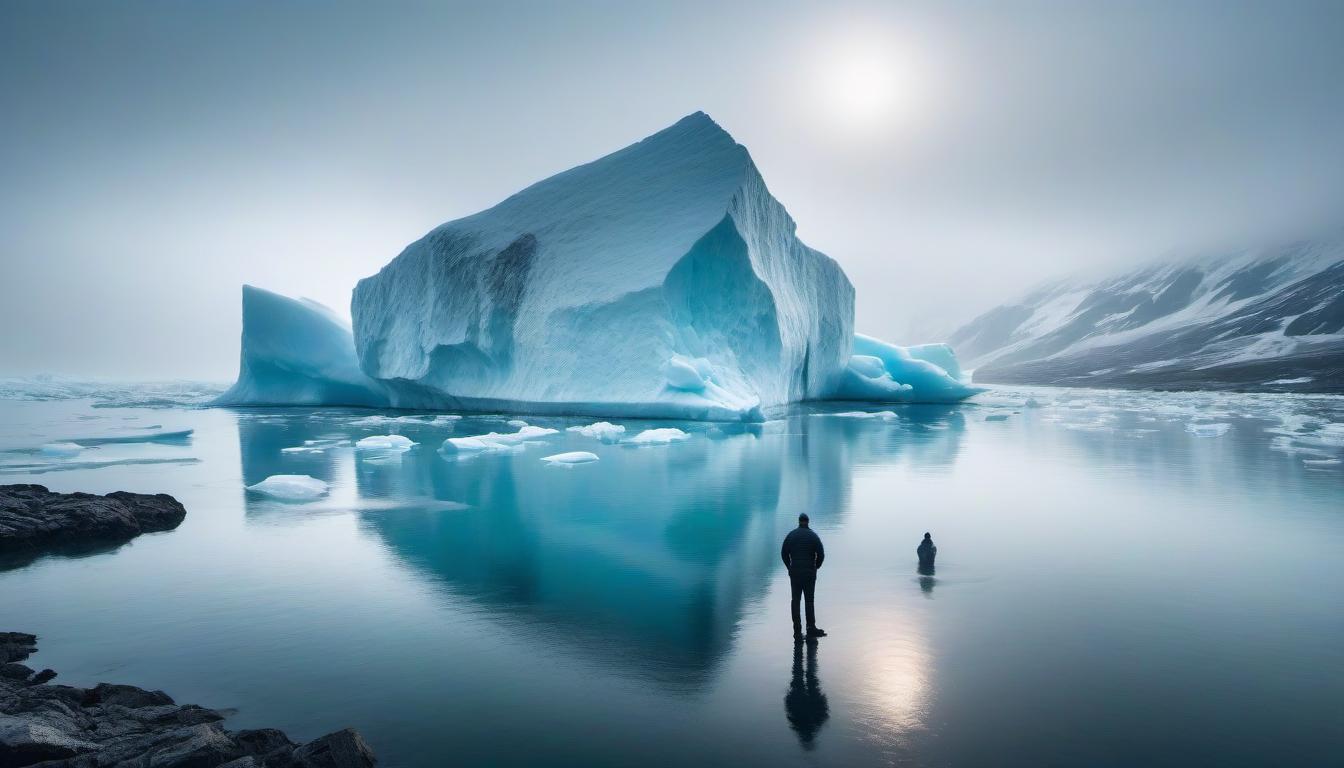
[(1268, 319)]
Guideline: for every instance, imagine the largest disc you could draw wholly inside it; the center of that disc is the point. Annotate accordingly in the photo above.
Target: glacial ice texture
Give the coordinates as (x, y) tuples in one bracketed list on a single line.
[(661, 280)]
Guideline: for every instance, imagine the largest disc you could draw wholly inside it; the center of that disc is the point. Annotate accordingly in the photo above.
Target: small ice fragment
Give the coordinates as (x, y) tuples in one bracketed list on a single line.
[(385, 443), (997, 417), (1321, 462), (1032, 403), (659, 436), (472, 444), (602, 430), (62, 449), (494, 441), (517, 423), (290, 487), (571, 458), (446, 418), (1208, 430), (865, 415)]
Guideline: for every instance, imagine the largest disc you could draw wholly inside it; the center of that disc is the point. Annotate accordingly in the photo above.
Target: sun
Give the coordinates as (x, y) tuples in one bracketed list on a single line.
[(867, 79)]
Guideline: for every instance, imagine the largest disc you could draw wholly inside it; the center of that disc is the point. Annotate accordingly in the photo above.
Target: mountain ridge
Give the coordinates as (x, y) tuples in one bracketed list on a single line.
[(1260, 319)]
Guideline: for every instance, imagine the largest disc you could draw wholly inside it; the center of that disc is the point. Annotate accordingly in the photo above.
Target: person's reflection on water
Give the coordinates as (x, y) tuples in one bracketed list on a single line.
[(926, 580), (805, 705)]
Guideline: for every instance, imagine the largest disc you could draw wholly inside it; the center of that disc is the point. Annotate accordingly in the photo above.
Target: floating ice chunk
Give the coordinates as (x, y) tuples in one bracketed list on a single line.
[(526, 432), (397, 443), (659, 436), (997, 417), (149, 435), (1322, 462), (62, 449), (316, 446), (1208, 430), (494, 441), (473, 444), (864, 415), (602, 430), (290, 487), (517, 423), (1032, 403), (1299, 380), (571, 458)]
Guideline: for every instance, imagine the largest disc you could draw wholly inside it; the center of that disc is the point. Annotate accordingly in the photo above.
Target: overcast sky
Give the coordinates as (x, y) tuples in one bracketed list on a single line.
[(156, 156)]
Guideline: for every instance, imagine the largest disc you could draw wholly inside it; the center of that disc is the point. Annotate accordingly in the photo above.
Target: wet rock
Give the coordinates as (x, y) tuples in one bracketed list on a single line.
[(35, 521), (124, 696), (342, 749), (61, 726), (28, 740), (16, 646), (16, 671)]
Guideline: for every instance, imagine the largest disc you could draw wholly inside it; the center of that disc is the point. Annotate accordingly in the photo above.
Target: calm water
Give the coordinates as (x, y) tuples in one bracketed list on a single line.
[(1112, 587)]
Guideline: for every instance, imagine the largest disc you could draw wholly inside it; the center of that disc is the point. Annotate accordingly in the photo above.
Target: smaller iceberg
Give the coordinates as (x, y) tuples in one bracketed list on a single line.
[(297, 352), (887, 373), (290, 487)]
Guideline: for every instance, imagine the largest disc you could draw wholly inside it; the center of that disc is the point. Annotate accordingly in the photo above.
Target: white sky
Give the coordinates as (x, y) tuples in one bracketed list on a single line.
[(158, 155)]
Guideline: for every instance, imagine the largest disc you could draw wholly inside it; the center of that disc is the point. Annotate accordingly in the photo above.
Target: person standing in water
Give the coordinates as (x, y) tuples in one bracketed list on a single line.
[(803, 553), (926, 551)]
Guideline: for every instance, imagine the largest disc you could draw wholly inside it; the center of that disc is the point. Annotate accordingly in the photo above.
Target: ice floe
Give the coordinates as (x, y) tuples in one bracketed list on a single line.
[(495, 441), (571, 458), (659, 436), (604, 431), (396, 443), (291, 487), (62, 449), (1208, 430)]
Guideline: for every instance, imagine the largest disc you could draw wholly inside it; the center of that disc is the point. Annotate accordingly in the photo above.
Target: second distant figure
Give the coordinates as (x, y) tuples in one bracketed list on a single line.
[(803, 554), (927, 552)]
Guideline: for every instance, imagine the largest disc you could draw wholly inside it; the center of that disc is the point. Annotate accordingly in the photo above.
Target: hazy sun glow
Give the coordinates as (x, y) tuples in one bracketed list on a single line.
[(867, 79)]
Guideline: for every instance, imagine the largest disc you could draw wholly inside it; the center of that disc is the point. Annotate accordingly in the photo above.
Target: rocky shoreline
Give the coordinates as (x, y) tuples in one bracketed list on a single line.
[(35, 521), (60, 726)]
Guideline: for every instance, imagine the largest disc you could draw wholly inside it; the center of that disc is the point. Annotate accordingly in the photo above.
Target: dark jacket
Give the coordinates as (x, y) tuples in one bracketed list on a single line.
[(802, 551), (926, 551)]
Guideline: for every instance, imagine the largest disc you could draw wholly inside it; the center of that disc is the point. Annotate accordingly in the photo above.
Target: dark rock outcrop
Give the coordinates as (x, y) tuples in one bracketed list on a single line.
[(116, 726), (35, 521)]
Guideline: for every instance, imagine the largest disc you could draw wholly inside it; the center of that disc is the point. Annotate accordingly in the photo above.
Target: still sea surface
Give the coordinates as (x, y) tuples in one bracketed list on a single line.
[(1123, 578)]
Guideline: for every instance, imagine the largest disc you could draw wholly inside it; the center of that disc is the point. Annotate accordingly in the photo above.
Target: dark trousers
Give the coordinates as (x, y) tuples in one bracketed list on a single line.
[(804, 584)]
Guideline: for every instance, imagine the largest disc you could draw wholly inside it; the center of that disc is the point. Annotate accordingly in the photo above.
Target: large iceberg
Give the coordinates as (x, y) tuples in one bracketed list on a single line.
[(297, 352), (662, 280)]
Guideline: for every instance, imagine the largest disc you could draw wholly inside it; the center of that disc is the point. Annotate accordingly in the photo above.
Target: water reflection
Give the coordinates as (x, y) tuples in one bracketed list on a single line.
[(646, 559), (926, 580), (805, 705)]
